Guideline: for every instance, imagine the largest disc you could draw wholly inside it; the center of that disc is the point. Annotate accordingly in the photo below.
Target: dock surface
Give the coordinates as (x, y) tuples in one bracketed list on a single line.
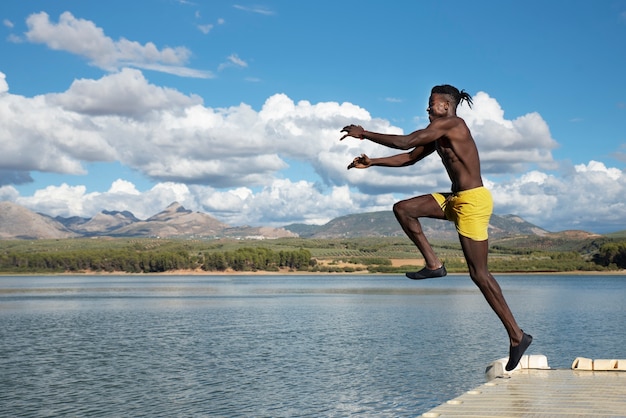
[(542, 393)]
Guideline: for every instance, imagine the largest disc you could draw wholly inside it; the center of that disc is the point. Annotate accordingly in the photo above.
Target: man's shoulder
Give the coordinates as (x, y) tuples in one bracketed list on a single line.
[(457, 119), (449, 121)]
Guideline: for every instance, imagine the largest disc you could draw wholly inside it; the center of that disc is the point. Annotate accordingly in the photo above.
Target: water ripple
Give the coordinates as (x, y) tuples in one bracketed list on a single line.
[(356, 347)]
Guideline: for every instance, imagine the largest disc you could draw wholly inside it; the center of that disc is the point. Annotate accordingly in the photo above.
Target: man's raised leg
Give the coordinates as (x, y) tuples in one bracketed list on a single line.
[(407, 213)]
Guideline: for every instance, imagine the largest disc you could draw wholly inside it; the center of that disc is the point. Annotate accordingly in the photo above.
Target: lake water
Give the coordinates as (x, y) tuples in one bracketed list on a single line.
[(277, 346)]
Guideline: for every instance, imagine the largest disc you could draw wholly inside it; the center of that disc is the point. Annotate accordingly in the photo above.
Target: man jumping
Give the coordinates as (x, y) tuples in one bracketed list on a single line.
[(469, 205)]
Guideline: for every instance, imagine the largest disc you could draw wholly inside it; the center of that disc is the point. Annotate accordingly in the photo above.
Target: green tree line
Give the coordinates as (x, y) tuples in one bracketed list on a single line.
[(97, 260), (252, 259), (155, 256), (611, 254), (132, 261)]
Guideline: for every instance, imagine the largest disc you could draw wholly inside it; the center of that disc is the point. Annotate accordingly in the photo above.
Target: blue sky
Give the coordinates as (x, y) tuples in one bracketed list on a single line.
[(234, 108)]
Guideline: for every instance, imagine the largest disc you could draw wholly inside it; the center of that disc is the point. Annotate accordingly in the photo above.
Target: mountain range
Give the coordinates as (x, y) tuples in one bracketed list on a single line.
[(18, 222)]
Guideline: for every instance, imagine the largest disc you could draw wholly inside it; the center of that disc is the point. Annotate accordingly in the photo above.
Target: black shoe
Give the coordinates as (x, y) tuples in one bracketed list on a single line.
[(516, 353), (427, 273)]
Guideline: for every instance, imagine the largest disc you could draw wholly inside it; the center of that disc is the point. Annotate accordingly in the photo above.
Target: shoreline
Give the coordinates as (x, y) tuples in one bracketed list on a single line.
[(306, 273)]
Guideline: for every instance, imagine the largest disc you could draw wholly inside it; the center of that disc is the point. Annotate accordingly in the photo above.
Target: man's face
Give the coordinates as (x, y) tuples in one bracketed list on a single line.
[(437, 106)]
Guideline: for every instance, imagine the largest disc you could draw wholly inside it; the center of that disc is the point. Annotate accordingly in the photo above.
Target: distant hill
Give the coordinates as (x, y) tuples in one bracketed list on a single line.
[(103, 222), (579, 241), (174, 221), (384, 224), (17, 222), (617, 234)]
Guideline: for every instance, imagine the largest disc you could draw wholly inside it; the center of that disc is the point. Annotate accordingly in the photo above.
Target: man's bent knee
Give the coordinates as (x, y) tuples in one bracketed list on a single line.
[(399, 208), (417, 207), (405, 209)]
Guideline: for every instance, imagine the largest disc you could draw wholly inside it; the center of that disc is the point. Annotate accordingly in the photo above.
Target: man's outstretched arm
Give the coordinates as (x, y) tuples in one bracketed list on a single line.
[(391, 141), (398, 160), (431, 133)]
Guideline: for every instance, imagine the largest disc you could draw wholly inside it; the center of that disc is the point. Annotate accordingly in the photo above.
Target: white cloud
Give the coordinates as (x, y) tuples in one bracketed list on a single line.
[(124, 94), (205, 28), (208, 27), (233, 60), (82, 37), (59, 200), (508, 145), (122, 186), (121, 116), (541, 198), (530, 195), (277, 204), (598, 167), (281, 202), (40, 137), (4, 87), (257, 9), (287, 202), (169, 136), (229, 162), (588, 197), (227, 203), (65, 200), (9, 193)]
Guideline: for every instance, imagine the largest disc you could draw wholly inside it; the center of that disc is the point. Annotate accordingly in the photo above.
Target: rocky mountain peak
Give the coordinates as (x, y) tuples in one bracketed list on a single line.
[(174, 210), (18, 222)]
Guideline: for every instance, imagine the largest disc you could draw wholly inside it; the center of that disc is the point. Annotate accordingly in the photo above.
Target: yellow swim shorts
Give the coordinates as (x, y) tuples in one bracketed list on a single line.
[(470, 211)]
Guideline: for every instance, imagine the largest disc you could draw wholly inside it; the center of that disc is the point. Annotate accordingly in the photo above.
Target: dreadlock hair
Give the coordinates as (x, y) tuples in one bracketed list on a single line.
[(453, 92)]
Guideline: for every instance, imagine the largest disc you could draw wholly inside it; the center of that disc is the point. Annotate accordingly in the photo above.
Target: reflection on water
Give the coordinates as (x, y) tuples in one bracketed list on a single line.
[(279, 345)]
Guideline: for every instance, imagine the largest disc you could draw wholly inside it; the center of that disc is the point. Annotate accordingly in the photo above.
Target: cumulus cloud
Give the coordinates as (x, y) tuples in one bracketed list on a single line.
[(65, 200), (230, 162), (576, 199), (508, 145), (82, 37), (9, 193), (169, 136), (124, 94), (59, 200), (8, 176), (40, 137), (4, 87), (544, 199), (281, 202)]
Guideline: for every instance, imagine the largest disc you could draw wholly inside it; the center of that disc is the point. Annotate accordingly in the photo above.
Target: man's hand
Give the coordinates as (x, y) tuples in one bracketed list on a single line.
[(356, 131), (362, 161)]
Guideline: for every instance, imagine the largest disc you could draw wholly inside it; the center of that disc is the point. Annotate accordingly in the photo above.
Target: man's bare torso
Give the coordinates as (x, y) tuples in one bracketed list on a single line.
[(459, 156)]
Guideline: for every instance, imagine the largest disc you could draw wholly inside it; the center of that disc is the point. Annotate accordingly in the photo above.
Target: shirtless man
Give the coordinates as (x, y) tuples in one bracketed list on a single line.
[(469, 205)]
